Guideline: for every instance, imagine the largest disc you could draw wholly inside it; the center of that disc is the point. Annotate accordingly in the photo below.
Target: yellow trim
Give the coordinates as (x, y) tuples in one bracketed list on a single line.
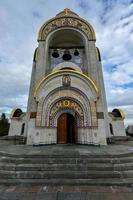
[(35, 57), (122, 114), (66, 10), (117, 118), (97, 54), (65, 71), (12, 113)]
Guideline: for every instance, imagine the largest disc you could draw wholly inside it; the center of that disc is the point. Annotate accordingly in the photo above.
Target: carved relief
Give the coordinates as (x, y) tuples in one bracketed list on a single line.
[(94, 122), (66, 22), (49, 114), (66, 80), (66, 104)]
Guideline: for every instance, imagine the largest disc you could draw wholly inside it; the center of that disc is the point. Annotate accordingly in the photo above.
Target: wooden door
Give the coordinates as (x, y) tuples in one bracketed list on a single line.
[(62, 129)]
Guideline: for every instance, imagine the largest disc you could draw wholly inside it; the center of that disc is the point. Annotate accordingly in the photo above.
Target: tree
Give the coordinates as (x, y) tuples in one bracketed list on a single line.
[(4, 125), (129, 130)]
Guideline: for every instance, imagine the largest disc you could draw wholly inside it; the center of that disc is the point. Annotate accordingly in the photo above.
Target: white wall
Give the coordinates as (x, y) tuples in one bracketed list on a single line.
[(118, 127), (40, 135), (15, 127)]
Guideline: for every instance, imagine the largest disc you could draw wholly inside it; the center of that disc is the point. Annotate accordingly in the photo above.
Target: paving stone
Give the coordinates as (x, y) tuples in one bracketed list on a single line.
[(27, 196), (126, 147), (95, 189), (66, 196), (117, 196), (117, 189), (11, 189), (67, 188), (34, 189), (21, 189), (72, 196), (3, 188), (45, 189), (95, 196)]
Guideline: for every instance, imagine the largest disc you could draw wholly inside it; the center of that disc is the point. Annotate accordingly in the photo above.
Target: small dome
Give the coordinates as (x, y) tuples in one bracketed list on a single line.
[(117, 114), (66, 12), (16, 112)]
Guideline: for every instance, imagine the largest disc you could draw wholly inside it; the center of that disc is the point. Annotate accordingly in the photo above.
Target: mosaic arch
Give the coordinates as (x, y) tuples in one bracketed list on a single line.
[(76, 96), (45, 105), (66, 105), (72, 22)]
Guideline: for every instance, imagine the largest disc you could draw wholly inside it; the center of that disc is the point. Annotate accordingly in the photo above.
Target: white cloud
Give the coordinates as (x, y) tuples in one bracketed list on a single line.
[(20, 21)]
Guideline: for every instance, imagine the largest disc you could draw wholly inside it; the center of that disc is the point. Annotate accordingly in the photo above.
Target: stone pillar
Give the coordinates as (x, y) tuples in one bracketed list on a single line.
[(31, 107), (41, 62), (95, 72), (103, 97)]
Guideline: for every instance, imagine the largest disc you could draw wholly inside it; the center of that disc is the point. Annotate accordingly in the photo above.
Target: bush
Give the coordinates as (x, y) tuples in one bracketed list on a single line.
[(129, 130), (4, 125)]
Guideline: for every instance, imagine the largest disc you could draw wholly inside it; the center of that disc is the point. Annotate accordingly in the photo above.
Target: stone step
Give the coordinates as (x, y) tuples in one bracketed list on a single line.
[(65, 174), (70, 167), (55, 167), (71, 182), (66, 154), (63, 160)]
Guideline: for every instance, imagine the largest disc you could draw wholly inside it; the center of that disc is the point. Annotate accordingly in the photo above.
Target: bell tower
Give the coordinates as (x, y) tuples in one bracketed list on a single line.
[(67, 102)]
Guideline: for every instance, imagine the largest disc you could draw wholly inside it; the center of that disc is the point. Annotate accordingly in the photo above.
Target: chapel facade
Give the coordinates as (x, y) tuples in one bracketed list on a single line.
[(67, 102)]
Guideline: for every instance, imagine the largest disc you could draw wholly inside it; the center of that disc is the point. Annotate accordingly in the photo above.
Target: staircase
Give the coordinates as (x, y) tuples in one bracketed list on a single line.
[(66, 169)]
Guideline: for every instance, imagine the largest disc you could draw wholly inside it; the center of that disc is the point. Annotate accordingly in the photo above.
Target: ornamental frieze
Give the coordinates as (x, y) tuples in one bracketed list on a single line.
[(66, 104), (66, 22)]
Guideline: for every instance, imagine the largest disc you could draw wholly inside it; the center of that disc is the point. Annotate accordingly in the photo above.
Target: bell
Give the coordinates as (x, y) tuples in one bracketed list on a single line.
[(55, 53), (67, 55), (76, 53)]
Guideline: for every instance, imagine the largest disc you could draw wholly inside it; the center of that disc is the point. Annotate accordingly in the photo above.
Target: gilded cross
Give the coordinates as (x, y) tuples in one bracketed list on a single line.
[(66, 10)]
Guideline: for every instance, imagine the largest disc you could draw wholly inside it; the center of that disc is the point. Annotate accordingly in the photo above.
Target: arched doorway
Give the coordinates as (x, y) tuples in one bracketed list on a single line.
[(111, 129), (66, 129)]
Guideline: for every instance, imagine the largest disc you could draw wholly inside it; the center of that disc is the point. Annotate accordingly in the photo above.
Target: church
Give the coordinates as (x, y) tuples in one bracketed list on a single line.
[(67, 102)]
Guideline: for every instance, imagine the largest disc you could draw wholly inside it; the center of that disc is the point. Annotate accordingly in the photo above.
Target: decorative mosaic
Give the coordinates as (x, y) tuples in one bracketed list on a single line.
[(47, 116), (66, 80), (66, 104), (66, 22)]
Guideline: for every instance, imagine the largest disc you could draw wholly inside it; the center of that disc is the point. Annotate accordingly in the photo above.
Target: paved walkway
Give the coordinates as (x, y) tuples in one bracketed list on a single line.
[(66, 193), (121, 148)]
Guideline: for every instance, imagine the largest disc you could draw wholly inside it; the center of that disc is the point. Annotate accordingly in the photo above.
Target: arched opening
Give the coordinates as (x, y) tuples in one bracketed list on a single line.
[(66, 45), (22, 129), (17, 112), (111, 129), (67, 38), (66, 129)]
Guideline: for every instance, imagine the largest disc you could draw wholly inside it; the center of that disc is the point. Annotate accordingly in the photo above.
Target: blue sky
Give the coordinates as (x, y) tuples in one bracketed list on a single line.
[(20, 21)]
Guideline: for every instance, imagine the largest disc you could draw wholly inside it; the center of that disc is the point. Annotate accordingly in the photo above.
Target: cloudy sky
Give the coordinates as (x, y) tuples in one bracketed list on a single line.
[(19, 24)]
